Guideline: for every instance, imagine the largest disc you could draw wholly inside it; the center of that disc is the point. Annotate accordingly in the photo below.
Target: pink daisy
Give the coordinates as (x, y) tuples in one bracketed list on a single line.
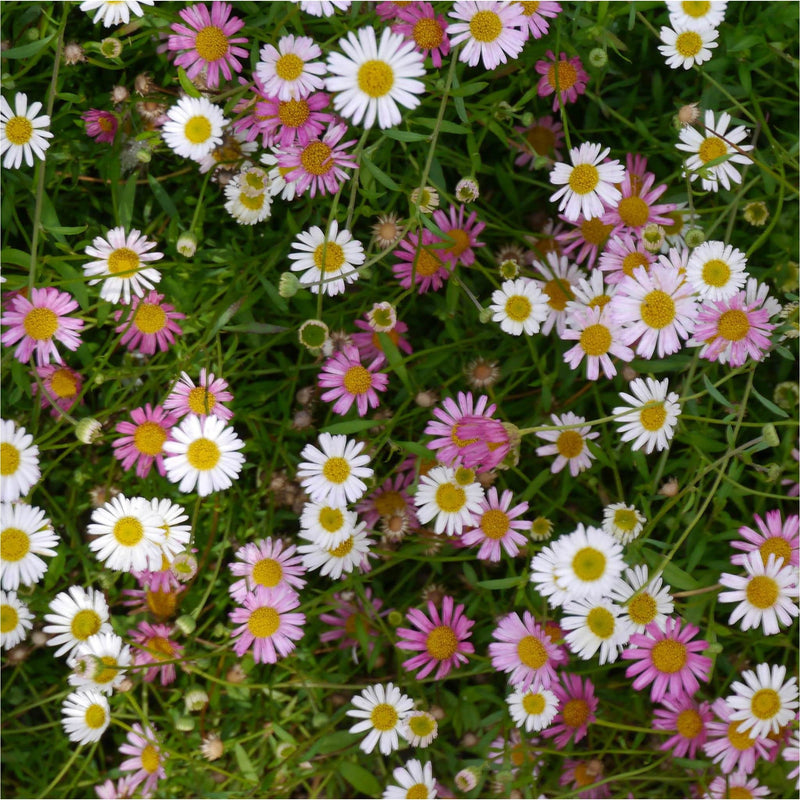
[(580, 774), (268, 623), (114, 791), (205, 399), (148, 324), (543, 138), (387, 10), (147, 758), (568, 445), (248, 122), (514, 753), (152, 645), (730, 330), (668, 661), (301, 119), (523, 649), (37, 324), (538, 16), (289, 71), (736, 785), (208, 42), (687, 719), (774, 537), (268, 563), (443, 639), (497, 525), (142, 442), (419, 23), (622, 256), (559, 277), (319, 165), (369, 343), (492, 31), (449, 444), (487, 443), (351, 617), (463, 233), (424, 262), (588, 237), (162, 580), (62, 387), (390, 499), (350, 382), (100, 125), (576, 710), (569, 74), (638, 206), (656, 309), (598, 338), (731, 749)]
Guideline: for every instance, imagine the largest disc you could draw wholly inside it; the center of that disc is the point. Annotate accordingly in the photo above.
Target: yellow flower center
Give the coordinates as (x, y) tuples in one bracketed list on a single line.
[(575, 713), (203, 454), (316, 159), (460, 241), (716, 272), (419, 791), (450, 499), (128, 531), (657, 309), (329, 257), (485, 26), (765, 703), (85, 624), (267, 572), (336, 470), (594, 231), (105, 670), (427, 34), (41, 323), (600, 622), (495, 523), (642, 609), (518, 308), (558, 293), (160, 647), (162, 604), (289, 67), (584, 179), (293, 113), (689, 723), (95, 716), (741, 741), (531, 652), (533, 703), (375, 78), (653, 416), (688, 44), (357, 380), (150, 318), (625, 519), (10, 458), (529, 7), (562, 73), (588, 564), (9, 618), (19, 130), (441, 643), (695, 8), (762, 591), (668, 656), (569, 444), (389, 502), (252, 202), (595, 340), (63, 383), (343, 549), (633, 261), (201, 401), (123, 262), (383, 717), (197, 129), (211, 43), (633, 211), (149, 438), (427, 263), (15, 544), (331, 519), (150, 759), (264, 622), (711, 147), (541, 139), (733, 325), (735, 792), (421, 725), (777, 546), (106, 124)]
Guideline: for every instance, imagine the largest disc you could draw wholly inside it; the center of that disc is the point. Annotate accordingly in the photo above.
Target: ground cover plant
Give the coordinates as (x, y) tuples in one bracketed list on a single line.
[(399, 399)]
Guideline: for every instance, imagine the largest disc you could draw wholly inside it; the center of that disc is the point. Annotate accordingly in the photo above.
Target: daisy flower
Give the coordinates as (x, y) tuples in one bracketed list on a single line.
[(764, 703), (638, 206), (350, 382), (381, 710), (730, 748), (352, 552), (120, 264), (736, 785), (19, 461), (204, 452), (289, 71), (519, 306), (687, 12), (193, 127), (623, 522), (566, 78), (543, 139), (497, 526), (333, 472), (774, 536), (204, 399), (525, 651), (687, 719), (244, 206), (463, 233), (588, 236), (172, 519), (127, 533), (594, 625), (493, 31), (687, 45), (268, 563), (62, 387), (323, 8), (419, 728), (208, 41), (643, 601), (650, 417), (449, 443), (716, 271), (25, 534), (543, 571), (373, 77), (418, 259), (538, 15), (327, 526), (576, 710), (717, 142), (146, 760), (350, 617), (622, 256), (99, 662), (153, 646), (599, 336), (559, 277), (22, 133), (667, 660), (114, 12), (532, 709), (328, 261), (268, 623), (142, 441), (148, 324), (414, 779), (441, 638), (588, 562), (450, 496), (40, 321), (569, 445), (767, 594), (85, 715), (287, 121), (513, 753), (15, 620), (76, 615), (420, 24), (100, 125)]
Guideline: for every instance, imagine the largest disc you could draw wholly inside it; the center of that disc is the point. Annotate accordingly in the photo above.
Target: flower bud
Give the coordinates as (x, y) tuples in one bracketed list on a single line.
[(111, 47), (694, 237), (187, 244), (195, 700), (313, 334), (88, 430), (598, 57), (186, 624), (184, 724), (288, 285), (770, 435)]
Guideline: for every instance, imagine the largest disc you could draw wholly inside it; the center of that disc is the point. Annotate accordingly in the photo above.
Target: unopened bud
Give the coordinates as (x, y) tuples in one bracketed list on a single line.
[(186, 624), (184, 724), (288, 284), (694, 237), (187, 244), (598, 57), (88, 430), (111, 47), (195, 700), (770, 435)]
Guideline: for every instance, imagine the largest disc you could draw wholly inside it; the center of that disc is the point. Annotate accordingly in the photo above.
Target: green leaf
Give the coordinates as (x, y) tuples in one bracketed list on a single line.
[(444, 126), (360, 779), (415, 448), (406, 136), (9, 255), (28, 50), (126, 200), (351, 426), (164, 200), (259, 328), (769, 405), (245, 765), (676, 577), (714, 392), (186, 84), (467, 89), (380, 175), (395, 360), (499, 583)]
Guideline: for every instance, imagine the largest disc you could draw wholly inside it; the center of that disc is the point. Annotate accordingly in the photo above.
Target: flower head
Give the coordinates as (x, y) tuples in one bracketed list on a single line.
[(764, 703), (85, 715), (333, 472), (146, 762), (289, 70), (348, 381), (564, 77), (450, 497), (266, 563), (193, 127), (492, 31), (650, 417), (381, 710), (22, 133), (576, 710), (25, 535), (328, 261), (497, 527), (203, 400), (569, 445), (414, 779), (142, 441), (687, 45), (519, 306), (687, 719), (100, 125)]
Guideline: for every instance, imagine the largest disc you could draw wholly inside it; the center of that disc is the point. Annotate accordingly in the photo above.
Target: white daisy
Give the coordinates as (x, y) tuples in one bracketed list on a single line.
[(99, 662), (327, 262), (594, 625), (323, 8), (25, 534), (413, 780), (288, 70), (533, 709), (373, 77), (623, 522), (767, 595), (332, 473), (114, 12), (568, 445), (451, 496), (588, 183), (764, 702), (589, 561), (558, 280), (757, 294), (328, 526), (589, 292), (193, 127), (77, 615), (172, 519), (278, 185), (544, 578), (121, 266), (493, 31), (419, 728), (716, 271), (687, 45), (715, 142), (15, 620), (519, 306), (19, 461), (696, 12), (85, 715), (21, 131), (381, 710), (205, 453), (643, 601), (244, 206), (352, 552), (650, 418)]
